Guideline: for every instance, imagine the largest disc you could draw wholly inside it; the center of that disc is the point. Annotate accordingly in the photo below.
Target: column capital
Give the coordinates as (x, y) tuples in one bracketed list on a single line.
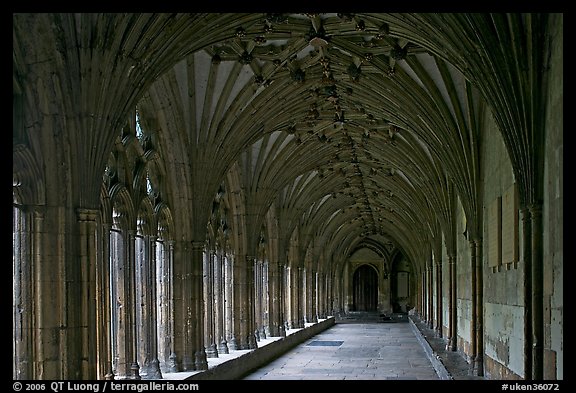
[(196, 245), (87, 214)]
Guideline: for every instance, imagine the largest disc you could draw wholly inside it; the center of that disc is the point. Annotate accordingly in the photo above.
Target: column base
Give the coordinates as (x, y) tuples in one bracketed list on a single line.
[(201, 362), (223, 347), (135, 368), (151, 370), (212, 351), (233, 345), (252, 344)]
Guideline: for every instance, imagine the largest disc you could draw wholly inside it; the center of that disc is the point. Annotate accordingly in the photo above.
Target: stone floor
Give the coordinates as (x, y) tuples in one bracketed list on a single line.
[(366, 347)]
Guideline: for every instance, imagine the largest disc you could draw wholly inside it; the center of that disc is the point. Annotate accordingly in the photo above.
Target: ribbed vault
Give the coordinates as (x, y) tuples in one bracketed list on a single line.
[(352, 132), (358, 124)]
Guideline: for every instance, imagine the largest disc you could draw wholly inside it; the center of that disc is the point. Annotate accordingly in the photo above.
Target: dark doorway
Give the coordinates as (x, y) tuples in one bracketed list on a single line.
[(365, 289)]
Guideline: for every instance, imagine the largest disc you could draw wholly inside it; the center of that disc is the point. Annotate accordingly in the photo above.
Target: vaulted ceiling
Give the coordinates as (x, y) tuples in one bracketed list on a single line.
[(358, 131), (363, 127)]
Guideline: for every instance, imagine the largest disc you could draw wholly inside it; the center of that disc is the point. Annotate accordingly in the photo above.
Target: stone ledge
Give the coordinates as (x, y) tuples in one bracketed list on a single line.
[(439, 367), (240, 363)]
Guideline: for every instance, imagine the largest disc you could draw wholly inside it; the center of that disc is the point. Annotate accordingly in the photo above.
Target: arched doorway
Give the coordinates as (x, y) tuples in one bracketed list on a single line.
[(365, 289)]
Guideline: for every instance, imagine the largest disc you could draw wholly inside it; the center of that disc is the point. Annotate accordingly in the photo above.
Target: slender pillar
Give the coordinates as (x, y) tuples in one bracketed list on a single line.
[(249, 305), (125, 310), (296, 294), (273, 297), (87, 229), (183, 310), (197, 306), (423, 296), (258, 299), (279, 300), (244, 326), (239, 313), (265, 328), (479, 359), (147, 316), (22, 294), (209, 312), (439, 310), (474, 317), (230, 289), (313, 296), (537, 293), (320, 296), (430, 283), (103, 305), (452, 310), (219, 313), (165, 308), (288, 289), (300, 294), (527, 257)]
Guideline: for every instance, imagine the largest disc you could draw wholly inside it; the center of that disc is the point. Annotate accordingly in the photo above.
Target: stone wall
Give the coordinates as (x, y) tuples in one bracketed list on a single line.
[(503, 284), (552, 209)]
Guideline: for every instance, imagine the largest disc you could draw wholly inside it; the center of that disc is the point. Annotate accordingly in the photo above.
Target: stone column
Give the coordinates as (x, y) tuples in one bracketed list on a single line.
[(537, 293), (452, 310), (430, 282), (273, 308), (164, 260), (87, 231), (197, 306), (257, 298), (244, 327), (183, 310), (423, 293), (439, 310), (313, 295), (146, 317), (209, 299), (479, 360), (474, 311), (265, 327), (219, 312), (297, 319), (279, 300), (238, 283), (125, 306), (23, 251), (288, 297), (251, 311), (229, 291), (422, 297), (103, 305), (320, 295), (300, 293), (527, 257)]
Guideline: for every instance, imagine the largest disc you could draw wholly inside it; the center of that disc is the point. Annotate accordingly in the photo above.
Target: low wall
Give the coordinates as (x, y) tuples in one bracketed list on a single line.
[(248, 362)]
